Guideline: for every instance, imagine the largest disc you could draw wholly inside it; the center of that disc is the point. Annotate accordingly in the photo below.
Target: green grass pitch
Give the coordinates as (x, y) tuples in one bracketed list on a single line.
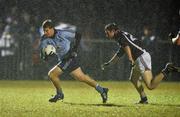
[(30, 99)]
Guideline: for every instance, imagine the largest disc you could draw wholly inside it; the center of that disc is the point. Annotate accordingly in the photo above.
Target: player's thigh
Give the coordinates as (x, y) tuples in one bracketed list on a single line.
[(55, 71), (147, 77), (78, 74)]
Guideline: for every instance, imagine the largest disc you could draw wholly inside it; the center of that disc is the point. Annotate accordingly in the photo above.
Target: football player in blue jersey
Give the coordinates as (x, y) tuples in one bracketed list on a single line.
[(64, 60)]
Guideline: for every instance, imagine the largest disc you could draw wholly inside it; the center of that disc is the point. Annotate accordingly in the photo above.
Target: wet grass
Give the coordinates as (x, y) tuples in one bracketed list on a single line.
[(30, 99)]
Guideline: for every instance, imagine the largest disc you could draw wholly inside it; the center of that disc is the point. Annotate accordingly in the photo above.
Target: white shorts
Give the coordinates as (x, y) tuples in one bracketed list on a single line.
[(144, 62)]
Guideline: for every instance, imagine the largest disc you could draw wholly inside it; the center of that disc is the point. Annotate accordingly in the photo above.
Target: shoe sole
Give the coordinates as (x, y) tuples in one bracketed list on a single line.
[(142, 103), (56, 101)]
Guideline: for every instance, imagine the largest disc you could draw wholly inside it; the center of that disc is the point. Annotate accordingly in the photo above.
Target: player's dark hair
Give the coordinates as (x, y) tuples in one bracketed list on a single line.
[(47, 24), (111, 26)]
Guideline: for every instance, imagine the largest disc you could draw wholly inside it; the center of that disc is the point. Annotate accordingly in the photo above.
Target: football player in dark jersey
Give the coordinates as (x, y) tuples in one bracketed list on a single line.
[(139, 59)]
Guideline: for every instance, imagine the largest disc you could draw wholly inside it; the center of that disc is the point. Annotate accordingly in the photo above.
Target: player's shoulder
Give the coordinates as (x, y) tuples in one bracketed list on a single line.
[(43, 37), (58, 30), (125, 33), (61, 30), (120, 35), (128, 35)]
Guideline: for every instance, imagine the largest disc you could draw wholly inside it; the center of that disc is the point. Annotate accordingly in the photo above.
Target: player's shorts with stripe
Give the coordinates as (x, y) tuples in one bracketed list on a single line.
[(69, 65), (66, 66), (144, 62)]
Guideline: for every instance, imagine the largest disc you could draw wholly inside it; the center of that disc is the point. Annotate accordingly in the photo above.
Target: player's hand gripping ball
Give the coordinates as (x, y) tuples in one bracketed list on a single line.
[(49, 50)]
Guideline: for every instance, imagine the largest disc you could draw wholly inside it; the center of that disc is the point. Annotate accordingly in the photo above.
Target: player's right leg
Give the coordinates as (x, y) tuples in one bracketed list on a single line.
[(78, 74), (151, 82), (72, 66)]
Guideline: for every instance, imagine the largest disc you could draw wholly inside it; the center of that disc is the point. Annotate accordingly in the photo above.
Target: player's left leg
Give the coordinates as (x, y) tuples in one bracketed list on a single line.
[(136, 81), (54, 74), (79, 75), (149, 81)]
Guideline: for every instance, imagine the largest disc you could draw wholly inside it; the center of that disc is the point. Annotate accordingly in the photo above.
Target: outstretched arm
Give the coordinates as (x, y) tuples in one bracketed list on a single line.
[(118, 53)]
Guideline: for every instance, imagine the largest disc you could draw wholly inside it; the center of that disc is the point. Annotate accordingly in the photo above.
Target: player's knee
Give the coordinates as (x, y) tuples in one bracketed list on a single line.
[(150, 87), (52, 75), (132, 80)]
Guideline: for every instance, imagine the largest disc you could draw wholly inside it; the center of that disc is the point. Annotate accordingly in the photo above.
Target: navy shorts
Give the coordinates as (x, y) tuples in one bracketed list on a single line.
[(69, 65), (66, 65)]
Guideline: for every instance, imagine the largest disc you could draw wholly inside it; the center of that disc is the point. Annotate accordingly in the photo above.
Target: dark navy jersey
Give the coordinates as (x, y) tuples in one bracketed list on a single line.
[(125, 39)]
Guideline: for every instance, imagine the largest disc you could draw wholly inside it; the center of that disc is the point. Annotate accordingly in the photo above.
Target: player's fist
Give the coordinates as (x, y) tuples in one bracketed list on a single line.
[(131, 64), (102, 67), (104, 64)]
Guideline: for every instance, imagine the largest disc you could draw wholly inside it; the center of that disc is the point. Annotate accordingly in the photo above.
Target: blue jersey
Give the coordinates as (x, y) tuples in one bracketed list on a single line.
[(61, 41)]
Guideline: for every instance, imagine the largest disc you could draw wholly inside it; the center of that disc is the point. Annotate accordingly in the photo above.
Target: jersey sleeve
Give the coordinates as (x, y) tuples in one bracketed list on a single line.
[(72, 36), (68, 34)]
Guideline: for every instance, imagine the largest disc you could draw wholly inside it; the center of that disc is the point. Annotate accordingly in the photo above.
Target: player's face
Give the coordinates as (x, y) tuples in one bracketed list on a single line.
[(109, 34), (49, 32)]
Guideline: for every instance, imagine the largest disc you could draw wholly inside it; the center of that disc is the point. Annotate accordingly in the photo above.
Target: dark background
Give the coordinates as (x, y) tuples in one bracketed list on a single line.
[(20, 21)]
